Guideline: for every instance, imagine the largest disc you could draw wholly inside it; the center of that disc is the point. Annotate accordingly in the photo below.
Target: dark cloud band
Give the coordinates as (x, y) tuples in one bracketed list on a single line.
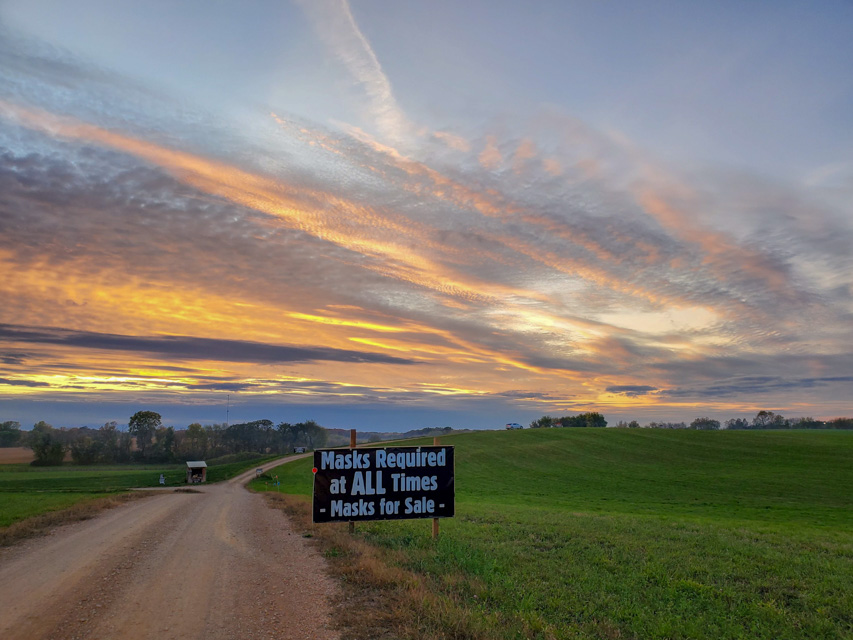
[(191, 348), (631, 390)]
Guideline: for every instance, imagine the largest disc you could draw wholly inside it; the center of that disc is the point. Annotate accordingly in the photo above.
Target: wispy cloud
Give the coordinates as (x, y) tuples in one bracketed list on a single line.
[(337, 27)]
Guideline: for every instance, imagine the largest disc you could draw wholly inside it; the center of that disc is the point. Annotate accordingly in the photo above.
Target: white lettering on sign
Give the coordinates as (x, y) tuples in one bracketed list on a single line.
[(363, 484), (338, 486), (421, 505), (352, 509), (402, 482), (389, 507), (409, 459), (350, 460)]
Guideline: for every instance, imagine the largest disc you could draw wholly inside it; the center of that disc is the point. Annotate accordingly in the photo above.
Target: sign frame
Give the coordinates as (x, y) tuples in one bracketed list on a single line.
[(384, 483)]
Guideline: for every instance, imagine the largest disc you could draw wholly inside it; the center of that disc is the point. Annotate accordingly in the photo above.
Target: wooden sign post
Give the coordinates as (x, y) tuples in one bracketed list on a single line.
[(352, 445), (436, 441)]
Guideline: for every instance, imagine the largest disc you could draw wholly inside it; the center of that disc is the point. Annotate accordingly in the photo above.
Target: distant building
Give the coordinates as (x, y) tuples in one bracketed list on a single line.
[(196, 472)]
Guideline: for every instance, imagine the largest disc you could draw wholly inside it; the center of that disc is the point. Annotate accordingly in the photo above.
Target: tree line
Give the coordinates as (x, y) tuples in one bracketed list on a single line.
[(147, 440), (592, 419), (762, 420)]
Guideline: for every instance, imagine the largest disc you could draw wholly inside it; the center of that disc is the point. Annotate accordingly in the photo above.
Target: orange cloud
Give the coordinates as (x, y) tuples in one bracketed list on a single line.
[(388, 237), (720, 250), (455, 142), (526, 150), (552, 166), (490, 157)]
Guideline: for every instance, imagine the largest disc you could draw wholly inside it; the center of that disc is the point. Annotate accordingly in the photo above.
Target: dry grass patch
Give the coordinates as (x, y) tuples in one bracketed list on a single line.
[(40, 524), (16, 455), (379, 601)]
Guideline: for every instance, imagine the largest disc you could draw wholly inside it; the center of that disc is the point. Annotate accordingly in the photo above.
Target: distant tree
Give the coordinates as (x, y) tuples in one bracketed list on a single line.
[(705, 424), (737, 423), (164, 445), (47, 448), (143, 425), (591, 419), (762, 419), (194, 444), (768, 420), (840, 423), (628, 425), (10, 434), (545, 422), (666, 425), (215, 445), (86, 450), (595, 419), (110, 438), (286, 436), (314, 433), (302, 434), (257, 435), (806, 423), (571, 421)]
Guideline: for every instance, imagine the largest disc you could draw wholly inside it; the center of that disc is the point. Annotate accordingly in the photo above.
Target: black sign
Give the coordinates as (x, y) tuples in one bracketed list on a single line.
[(393, 483)]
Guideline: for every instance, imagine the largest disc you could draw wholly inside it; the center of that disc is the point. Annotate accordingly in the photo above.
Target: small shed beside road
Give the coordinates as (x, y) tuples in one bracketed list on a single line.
[(196, 472)]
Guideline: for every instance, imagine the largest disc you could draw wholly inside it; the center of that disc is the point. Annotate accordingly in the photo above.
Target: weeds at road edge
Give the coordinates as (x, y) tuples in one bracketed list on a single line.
[(379, 601), (40, 524)]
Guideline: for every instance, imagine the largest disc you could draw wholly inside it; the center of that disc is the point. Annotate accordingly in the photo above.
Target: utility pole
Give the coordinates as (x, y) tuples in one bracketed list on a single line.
[(227, 408)]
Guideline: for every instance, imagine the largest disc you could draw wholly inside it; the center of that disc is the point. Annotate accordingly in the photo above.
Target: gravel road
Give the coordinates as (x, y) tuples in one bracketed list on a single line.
[(214, 564)]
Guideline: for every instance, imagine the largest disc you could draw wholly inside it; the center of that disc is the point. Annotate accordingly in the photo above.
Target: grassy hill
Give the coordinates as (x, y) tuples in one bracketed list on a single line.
[(593, 533)]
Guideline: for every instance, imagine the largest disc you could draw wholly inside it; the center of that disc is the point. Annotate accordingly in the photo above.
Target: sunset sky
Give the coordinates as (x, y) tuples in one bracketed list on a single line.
[(394, 215)]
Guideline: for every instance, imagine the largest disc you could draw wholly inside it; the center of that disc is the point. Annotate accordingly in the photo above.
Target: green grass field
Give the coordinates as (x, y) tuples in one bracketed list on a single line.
[(582, 533), (27, 491)]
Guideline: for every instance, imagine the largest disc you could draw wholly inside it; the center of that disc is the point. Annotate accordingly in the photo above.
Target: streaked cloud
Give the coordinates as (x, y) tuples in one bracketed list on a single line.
[(758, 385), (335, 24)]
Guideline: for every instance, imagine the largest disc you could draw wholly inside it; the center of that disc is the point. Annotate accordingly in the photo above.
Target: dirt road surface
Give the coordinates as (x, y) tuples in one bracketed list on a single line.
[(215, 564)]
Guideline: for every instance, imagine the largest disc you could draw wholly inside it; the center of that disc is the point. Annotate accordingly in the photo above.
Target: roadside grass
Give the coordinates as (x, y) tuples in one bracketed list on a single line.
[(82, 508), (20, 506), (30, 492), (623, 534)]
